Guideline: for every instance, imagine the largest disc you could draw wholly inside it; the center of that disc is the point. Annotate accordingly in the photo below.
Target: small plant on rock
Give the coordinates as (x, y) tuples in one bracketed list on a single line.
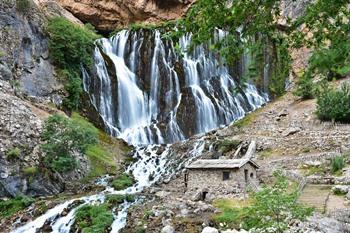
[(13, 153), (337, 164)]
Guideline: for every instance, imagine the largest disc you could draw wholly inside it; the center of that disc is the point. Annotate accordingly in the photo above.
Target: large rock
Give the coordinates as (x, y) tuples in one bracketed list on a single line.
[(107, 15), (210, 230), (168, 229)]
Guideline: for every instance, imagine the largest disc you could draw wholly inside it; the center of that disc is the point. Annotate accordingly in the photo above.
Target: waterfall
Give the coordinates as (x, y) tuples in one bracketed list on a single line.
[(148, 93), (159, 95)]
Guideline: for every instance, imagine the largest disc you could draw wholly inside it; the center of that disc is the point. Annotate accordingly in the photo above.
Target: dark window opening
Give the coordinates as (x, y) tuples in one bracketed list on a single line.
[(225, 175), (204, 195), (251, 175)]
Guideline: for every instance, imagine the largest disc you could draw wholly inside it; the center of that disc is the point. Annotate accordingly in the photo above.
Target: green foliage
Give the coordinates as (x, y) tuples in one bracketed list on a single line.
[(305, 88), (30, 171), (93, 218), (63, 138), (337, 164), (122, 182), (273, 208), (270, 209), (12, 206), (226, 145), (119, 199), (328, 22), (13, 153), (23, 5), (334, 104), (71, 47)]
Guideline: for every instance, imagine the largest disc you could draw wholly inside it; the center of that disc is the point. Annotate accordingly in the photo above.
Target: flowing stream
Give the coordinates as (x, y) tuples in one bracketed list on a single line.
[(148, 94)]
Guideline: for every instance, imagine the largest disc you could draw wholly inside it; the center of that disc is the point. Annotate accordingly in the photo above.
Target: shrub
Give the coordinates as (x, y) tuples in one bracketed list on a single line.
[(12, 206), (92, 218), (63, 138), (122, 182), (13, 153), (23, 5), (270, 208), (334, 104), (71, 47), (305, 88), (337, 164)]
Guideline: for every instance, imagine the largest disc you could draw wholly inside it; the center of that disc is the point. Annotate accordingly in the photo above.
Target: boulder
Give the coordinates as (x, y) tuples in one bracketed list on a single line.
[(5, 72), (340, 189), (210, 230), (290, 131), (168, 229)]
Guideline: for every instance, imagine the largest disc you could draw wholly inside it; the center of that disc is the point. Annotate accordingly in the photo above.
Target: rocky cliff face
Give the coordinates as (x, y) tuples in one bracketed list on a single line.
[(107, 15)]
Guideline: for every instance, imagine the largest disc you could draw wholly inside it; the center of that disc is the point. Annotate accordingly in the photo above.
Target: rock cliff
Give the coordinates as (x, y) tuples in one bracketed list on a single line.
[(107, 15)]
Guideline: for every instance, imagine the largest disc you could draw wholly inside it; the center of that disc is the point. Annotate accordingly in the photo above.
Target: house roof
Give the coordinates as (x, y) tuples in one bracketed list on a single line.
[(220, 163)]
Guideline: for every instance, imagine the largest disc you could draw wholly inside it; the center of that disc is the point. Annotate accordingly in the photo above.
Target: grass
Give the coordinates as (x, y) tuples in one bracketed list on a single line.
[(247, 120), (105, 155), (12, 206), (232, 211), (314, 170), (13, 153), (122, 182), (30, 171), (94, 218), (226, 145), (114, 199)]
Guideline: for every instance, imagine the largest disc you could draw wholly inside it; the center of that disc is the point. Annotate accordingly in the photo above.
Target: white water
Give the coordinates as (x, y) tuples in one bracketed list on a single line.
[(148, 103), (137, 114)]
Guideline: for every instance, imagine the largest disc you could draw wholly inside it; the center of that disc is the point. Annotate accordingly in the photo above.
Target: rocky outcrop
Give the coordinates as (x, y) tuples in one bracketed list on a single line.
[(20, 155), (107, 15)]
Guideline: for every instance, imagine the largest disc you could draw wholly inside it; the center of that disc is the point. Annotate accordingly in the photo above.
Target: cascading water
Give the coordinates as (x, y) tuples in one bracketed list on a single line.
[(148, 94), (171, 97)]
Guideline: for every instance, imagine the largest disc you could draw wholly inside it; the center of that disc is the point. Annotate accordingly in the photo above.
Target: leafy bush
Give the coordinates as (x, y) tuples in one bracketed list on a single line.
[(334, 104), (23, 5), (63, 138), (270, 208), (122, 182), (71, 47), (13, 153), (92, 218), (337, 164), (305, 88), (12, 206)]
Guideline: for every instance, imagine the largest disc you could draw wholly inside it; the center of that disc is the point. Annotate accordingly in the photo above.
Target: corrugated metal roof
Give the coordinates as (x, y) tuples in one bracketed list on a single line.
[(220, 163)]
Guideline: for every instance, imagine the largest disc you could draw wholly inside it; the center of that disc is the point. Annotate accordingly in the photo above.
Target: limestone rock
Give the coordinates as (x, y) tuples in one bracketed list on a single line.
[(168, 229), (107, 15), (210, 230), (290, 131)]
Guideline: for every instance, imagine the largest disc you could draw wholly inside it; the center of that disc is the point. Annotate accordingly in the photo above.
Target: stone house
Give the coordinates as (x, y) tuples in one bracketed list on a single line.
[(218, 175)]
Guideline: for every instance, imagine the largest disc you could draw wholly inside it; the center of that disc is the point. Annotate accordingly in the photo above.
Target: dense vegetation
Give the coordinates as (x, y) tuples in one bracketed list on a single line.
[(63, 138), (269, 210), (122, 182), (71, 49), (9, 207), (334, 104)]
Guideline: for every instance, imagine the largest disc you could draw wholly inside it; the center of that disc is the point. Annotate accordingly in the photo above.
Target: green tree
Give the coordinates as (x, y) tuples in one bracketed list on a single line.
[(71, 48), (64, 137), (334, 104), (274, 207)]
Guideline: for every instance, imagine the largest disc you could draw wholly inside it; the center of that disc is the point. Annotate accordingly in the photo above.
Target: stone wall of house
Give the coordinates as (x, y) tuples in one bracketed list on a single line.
[(212, 179)]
